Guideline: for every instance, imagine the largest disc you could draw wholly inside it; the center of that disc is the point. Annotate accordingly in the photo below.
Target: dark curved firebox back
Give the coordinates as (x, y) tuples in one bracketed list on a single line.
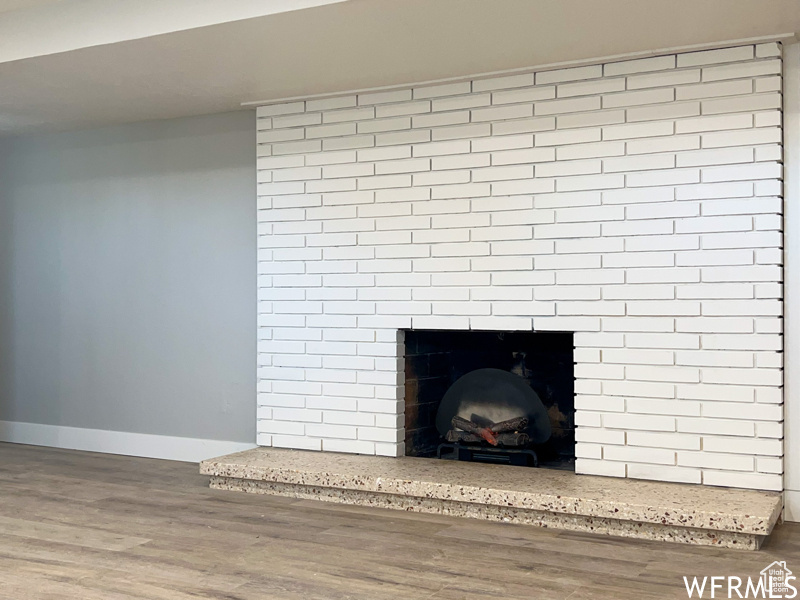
[(488, 396)]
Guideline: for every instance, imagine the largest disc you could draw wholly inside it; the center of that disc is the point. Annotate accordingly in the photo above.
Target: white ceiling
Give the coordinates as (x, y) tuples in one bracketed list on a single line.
[(45, 27), (8, 5), (337, 47)]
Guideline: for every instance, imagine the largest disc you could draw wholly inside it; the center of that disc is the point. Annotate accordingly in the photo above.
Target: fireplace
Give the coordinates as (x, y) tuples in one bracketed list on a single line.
[(542, 361), (636, 204)]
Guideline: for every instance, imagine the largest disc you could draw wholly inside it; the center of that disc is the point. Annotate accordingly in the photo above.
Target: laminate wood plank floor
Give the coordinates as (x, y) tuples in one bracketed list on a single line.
[(90, 526)]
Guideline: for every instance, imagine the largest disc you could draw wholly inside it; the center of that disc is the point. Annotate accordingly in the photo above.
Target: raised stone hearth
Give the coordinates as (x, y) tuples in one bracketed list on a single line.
[(673, 512)]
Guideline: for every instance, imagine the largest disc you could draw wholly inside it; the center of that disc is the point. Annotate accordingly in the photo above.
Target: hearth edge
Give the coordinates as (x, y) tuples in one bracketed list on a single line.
[(487, 512), (404, 482)]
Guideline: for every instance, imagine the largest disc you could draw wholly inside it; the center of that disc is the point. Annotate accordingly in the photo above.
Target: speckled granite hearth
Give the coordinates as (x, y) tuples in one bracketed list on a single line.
[(682, 513)]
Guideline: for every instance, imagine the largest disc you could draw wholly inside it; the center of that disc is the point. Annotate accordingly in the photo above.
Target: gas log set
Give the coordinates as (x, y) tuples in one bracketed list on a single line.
[(491, 415), (505, 433)]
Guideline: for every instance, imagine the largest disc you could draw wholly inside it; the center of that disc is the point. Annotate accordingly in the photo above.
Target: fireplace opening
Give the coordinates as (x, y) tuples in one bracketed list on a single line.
[(491, 396)]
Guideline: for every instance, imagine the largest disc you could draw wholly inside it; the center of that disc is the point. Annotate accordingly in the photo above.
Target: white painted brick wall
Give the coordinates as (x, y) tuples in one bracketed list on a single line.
[(636, 203)]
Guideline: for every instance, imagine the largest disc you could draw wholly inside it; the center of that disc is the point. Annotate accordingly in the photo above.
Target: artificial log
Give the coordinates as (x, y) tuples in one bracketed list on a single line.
[(513, 438), (465, 425), (515, 424), (510, 439), (483, 433), (462, 436)]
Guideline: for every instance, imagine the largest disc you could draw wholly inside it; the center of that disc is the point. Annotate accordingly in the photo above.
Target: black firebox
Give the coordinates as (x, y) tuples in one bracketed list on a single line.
[(505, 397)]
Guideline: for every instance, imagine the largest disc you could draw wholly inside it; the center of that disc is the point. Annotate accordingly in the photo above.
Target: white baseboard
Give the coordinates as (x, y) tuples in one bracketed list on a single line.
[(791, 506), (117, 442)]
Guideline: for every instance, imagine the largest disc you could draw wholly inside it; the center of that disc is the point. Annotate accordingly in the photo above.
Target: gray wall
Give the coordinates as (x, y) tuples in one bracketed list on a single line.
[(127, 278)]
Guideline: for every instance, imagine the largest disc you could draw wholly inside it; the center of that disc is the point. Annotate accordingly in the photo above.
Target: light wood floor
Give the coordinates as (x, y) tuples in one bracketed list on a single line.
[(90, 526)]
